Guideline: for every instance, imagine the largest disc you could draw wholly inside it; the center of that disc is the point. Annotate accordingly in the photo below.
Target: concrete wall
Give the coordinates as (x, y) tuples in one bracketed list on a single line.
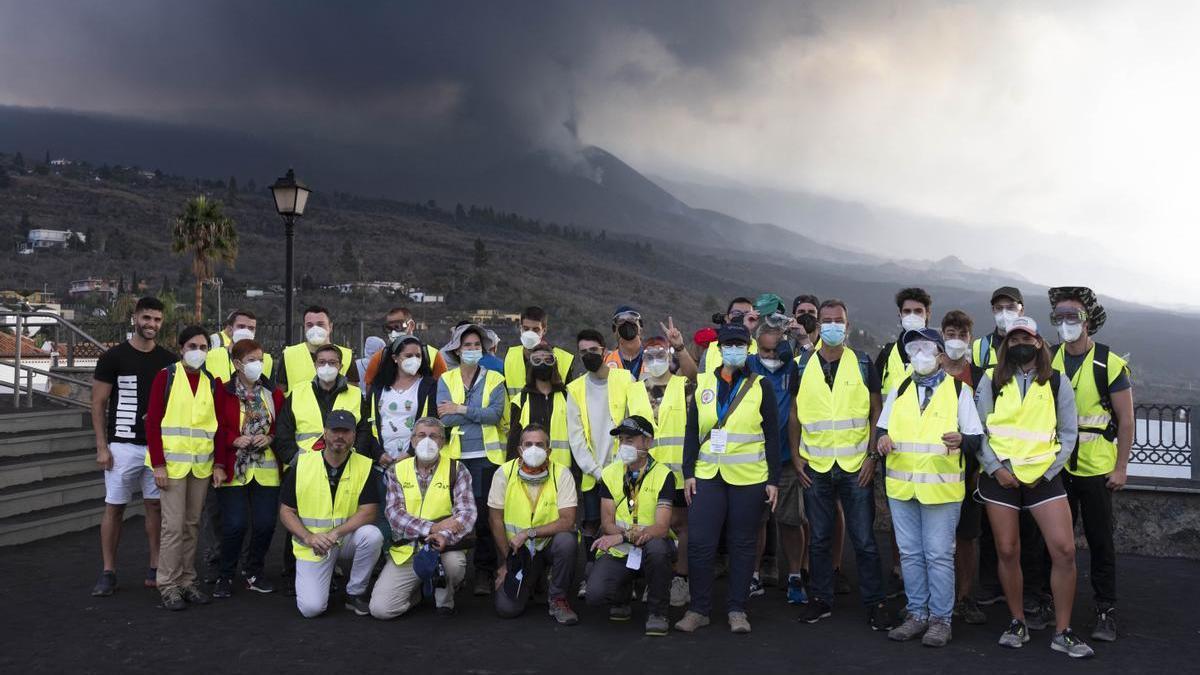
[(1161, 520)]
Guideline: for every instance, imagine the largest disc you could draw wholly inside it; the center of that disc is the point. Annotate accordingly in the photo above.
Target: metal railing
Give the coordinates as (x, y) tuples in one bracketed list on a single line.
[(19, 320)]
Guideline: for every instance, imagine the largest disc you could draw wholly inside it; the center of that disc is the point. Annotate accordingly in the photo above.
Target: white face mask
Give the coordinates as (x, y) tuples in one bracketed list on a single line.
[(411, 365), (1003, 318), (252, 370), (427, 449), (242, 334), (923, 363), (316, 336), (912, 322), (534, 456), (627, 453), (657, 367), (956, 349), (530, 339), (771, 364), (194, 358), (395, 335), (327, 373), (1070, 332)]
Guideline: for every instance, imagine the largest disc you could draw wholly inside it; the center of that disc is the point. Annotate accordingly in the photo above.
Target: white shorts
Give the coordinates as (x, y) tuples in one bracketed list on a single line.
[(128, 474)]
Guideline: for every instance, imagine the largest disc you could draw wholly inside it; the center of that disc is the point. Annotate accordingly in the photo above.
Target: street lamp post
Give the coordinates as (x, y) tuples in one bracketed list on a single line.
[(291, 196)]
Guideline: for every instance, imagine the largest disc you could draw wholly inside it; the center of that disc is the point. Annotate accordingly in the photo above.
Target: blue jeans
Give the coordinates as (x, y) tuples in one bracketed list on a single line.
[(925, 535), (737, 508), (820, 503), (482, 470), (241, 503)]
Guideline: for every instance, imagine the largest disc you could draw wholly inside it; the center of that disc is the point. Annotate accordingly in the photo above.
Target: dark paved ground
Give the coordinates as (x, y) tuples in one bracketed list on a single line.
[(50, 624)]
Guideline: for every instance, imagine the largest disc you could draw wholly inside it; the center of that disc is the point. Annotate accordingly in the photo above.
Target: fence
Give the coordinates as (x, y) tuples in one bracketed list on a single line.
[(1162, 445)]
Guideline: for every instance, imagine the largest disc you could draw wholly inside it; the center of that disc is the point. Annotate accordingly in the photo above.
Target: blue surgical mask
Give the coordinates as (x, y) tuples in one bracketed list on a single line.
[(734, 356), (833, 334), (471, 357)]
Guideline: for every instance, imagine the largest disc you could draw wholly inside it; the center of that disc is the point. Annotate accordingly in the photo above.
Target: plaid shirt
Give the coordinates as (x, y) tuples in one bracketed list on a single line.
[(406, 526)]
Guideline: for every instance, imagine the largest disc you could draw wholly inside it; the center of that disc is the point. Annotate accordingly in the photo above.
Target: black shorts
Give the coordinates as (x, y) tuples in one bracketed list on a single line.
[(1021, 497), (970, 516), (679, 501)]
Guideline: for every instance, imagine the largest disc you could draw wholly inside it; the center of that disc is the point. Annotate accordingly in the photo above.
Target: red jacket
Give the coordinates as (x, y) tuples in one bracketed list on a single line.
[(229, 421), (155, 411)]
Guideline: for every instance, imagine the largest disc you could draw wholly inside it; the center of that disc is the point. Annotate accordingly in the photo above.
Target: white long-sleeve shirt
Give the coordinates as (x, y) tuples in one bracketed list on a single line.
[(591, 454)]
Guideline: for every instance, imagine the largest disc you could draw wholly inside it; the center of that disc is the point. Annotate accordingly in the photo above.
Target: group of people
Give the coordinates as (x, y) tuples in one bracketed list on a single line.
[(652, 461)]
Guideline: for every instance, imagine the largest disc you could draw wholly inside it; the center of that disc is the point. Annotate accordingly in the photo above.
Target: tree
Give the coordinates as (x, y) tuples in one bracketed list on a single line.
[(204, 231), (349, 262), (481, 254)]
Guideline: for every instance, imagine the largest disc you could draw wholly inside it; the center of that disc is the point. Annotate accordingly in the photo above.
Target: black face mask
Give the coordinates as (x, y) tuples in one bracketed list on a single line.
[(1022, 354), (543, 372), (627, 331), (591, 361)]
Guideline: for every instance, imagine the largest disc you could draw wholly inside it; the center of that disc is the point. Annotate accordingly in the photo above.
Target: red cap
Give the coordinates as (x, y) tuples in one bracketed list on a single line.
[(705, 336)]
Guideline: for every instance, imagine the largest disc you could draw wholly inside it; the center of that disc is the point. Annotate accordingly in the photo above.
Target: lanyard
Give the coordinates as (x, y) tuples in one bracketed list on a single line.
[(632, 490), (723, 406)]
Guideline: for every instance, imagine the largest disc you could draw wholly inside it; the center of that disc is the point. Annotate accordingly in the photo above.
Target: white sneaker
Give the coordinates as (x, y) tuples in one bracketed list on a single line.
[(681, 593)]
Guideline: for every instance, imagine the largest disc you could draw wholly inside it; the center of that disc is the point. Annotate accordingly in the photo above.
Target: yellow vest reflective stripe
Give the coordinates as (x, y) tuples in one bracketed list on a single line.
[(219, 364), (895, 370), (1024, 431), (619, 383), (318, 511), (189, 426), (520, 512), (560, 444), (300, 367), (515, 376), (493, 447), (712, 360), (669, 421), (834, 423), (264, 471), (646, 499), (744, 461), (435, 504), (920, 467), (981, 357), (1097, 455), (310, 425)]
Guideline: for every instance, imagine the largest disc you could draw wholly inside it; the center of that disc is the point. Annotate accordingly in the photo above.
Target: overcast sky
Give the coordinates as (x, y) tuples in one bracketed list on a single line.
[(1079, 119)]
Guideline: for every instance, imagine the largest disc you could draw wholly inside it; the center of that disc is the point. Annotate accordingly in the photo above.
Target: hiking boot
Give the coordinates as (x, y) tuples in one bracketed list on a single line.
[(151, 580), (882, 618), (814, 611), (756, 587), (691, 621), (172, 599), (105, 585), (562, 612), (738, 623), (1070, 644), (968, 610), (1039, 617), (987, 598), (795, 590), (680, 592), (938, 634), (483, 583), (259, 584), (911, 628), (656, 625), (223, 588), (841, 584), (1106, 625), (195, 596), (359, 604), (620, 613), (1016, 636)]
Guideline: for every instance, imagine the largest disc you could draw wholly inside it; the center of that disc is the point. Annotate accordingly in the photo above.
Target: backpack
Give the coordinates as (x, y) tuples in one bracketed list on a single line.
[(864, 365), (1100, 376), (212, 382)]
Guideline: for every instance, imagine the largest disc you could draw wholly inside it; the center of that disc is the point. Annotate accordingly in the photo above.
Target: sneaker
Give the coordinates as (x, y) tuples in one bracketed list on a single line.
[(562, 612), (989, 598), (151, 580), (911, 628), (680, 592), (1106, 625), (359, 604), (483, 583), (795, 590), (223, 588), (895, 586), (691, 621), (1040, 616), (582, 589), (172, 599), (105, 585), (259, 584), (1016, 636), (968, 610), (881, 618), (815, 611), (1068, 643), (620, 613), (938, 634), (656, 625), (195, 596), (738, 623), (756, 587), (841, 585)]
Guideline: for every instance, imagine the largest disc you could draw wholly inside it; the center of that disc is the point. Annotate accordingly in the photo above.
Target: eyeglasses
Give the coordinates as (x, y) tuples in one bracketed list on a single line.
[(627, 316), (1070, 316), (657, 353), (542, 359)]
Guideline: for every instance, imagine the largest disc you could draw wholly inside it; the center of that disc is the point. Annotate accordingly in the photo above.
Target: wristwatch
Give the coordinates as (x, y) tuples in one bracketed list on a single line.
[(529, 534)]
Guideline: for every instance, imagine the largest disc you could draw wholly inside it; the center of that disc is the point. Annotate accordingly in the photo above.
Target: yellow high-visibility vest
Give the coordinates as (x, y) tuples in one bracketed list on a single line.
[(317, 509), (834, 423), (920, 466), (983, 352), (515, 376), (1025, 430), (493, 447), (1096, 454), (219, 364), (189, 425), (310, 425), (435, 504), (669, 421), (895, 370), (744, 461), (560, 444), (265, 471), (619, 384), (521, 512), (646, 500), (301, 368)]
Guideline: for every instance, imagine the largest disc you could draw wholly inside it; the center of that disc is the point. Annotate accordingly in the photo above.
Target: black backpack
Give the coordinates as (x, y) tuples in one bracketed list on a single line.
[(1100, 375)]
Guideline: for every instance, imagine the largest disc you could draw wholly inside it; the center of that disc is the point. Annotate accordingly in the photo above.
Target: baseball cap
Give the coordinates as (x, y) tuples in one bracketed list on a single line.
[(705, 336), (340, 419), (1023, 323), (924, 334), (634, 425), (768, 303), (733, 332), (1009, 292)]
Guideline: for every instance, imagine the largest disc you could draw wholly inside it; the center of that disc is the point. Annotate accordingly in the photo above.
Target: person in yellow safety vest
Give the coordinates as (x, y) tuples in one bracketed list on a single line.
[(531, 512), (1030, 426), (299, 428), (1007, 304), (1098, 464), (627, 327), (534, 325), (664, 397), (732, 426), (430, 508), (635, 514), (298, 359), (830, 431), (542, 400), (741, 311), (927, 424), (597, 401), (246, 472), (239, 325), (181, 426), (399, 323), (471, 403), (914, 305), (329, 504)]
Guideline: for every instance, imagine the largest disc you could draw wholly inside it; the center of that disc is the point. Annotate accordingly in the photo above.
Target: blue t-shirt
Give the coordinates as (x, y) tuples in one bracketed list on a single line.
[(785, 382)]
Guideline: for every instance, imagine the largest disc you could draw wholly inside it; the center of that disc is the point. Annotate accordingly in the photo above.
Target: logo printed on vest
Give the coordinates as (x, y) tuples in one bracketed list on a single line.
[(707, 396)]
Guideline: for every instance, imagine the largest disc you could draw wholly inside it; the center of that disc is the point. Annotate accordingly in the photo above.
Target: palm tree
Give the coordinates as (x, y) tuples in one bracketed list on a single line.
[(203, 230)]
